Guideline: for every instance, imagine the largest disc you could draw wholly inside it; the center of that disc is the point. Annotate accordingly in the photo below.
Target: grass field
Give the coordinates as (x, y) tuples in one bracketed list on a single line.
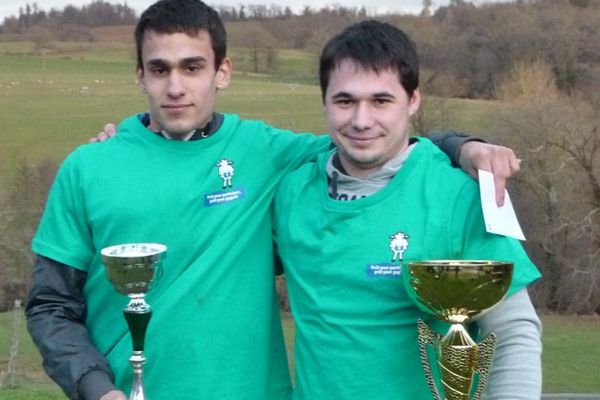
[(570, 361), (51, 103), (571, 358)]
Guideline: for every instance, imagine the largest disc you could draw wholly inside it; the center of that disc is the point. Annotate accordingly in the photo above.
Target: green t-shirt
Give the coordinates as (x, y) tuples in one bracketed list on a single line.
[(356, 335), (215, 332)]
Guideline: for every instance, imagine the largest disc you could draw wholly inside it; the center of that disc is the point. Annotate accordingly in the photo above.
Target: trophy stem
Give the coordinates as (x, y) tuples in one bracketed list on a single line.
[(137, 314), (137, 359), (138, 318), (457, 361)]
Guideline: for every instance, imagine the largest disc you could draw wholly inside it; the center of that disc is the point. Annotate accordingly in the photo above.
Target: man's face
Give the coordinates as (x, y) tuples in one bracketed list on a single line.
[(180, 79), (368, 115)]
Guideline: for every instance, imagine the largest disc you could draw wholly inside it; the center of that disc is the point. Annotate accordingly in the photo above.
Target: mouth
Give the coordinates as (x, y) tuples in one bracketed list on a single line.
[(361, 140), (176, 107)]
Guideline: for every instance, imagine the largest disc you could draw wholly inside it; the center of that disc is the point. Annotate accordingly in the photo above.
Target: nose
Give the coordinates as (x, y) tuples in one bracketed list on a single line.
[(176, 87), (362, 117)]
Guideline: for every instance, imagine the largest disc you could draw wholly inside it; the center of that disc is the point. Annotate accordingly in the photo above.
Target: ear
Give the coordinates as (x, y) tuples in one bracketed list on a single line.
[(223, 75), (140, 80), (414, 102)]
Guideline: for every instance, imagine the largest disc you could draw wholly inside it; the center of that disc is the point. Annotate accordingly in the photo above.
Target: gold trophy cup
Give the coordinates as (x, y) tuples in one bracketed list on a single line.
[(132, 268), (456, 291)]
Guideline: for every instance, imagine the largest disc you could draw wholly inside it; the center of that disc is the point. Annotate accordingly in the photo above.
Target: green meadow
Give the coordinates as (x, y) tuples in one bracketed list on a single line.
[(52, 102), (570, 359)]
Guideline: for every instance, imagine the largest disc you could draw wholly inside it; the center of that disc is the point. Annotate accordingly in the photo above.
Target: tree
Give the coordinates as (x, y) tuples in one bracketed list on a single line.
[(22, 209), (41, 35), (260, 44), (11, 25), (558, 137), (426, 8)]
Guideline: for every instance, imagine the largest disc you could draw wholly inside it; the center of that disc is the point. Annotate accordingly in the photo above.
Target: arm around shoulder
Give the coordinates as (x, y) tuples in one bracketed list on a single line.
[(450, 142), (290, 150)]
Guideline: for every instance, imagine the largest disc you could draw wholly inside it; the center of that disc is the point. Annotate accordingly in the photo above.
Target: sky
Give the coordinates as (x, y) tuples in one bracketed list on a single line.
[(11, 7)]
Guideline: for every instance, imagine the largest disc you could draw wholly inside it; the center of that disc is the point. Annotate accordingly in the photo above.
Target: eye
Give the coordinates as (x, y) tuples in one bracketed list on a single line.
[(382, 101), (158, 71), (343, 102), (193, 68)]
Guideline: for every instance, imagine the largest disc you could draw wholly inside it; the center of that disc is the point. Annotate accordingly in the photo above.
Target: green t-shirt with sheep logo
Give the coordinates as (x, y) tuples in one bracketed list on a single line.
[(356, 331), (215, 332)]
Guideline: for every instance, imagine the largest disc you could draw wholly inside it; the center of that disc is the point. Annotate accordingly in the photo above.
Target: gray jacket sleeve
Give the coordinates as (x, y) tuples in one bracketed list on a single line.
[(56, 312), (450, 143), (516, 370)]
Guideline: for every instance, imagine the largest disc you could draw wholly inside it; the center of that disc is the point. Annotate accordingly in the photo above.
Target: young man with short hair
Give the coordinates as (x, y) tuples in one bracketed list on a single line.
[(215, 331), (336, 220)]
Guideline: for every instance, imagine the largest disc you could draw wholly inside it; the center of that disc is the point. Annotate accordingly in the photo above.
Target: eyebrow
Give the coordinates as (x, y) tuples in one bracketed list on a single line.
[(383, 94), (341, 95), (191, 60), (184, 61), (378, 95)]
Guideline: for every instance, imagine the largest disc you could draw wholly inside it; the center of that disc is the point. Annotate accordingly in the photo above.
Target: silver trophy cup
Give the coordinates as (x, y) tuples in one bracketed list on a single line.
[(132, 268)]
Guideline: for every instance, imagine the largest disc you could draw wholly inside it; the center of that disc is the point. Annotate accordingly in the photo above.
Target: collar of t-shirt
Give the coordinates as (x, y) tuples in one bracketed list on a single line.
[(345, 187), (197, 134)]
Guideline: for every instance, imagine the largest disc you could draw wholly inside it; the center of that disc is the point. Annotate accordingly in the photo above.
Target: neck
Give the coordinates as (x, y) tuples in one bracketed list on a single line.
[(185, 137), (363, 171), (345, 186)]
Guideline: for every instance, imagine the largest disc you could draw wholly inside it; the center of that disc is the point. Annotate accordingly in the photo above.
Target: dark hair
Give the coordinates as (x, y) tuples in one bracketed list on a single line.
[(188, 16), (375, 46)]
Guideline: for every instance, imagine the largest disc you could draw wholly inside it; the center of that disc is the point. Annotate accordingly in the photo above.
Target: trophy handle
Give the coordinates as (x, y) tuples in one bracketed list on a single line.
[(426, 336), (485, 354)]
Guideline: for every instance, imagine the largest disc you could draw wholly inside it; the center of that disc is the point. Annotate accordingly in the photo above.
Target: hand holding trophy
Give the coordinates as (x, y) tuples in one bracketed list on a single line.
[(456, 291), (132, 268)]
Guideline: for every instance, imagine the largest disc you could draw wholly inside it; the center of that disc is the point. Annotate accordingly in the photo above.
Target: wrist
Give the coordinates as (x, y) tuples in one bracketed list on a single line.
[(95, 384)]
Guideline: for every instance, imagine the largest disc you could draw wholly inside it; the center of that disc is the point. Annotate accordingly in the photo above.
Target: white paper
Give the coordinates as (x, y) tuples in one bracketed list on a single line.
[(498, 220)]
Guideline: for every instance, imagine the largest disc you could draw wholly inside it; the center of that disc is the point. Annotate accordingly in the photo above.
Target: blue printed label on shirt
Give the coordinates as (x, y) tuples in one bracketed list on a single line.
[(224, 197), (384, 270)]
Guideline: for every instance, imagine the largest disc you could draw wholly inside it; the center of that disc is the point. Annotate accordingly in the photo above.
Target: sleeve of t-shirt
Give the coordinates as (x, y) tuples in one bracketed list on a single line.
[(279, 216), (291, 150), (472, 242), (450, 142), (63, 234)]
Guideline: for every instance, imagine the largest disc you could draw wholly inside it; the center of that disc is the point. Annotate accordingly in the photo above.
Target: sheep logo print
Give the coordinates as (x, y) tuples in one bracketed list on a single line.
[(228, 194), (225, 172), (398, 245)]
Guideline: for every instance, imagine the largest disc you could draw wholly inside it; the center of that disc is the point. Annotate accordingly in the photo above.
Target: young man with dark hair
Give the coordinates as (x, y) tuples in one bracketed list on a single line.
[(356, 330), (215, 331)]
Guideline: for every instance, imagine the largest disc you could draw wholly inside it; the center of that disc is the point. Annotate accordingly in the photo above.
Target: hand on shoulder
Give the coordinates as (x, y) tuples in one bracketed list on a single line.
[(108, 131)]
